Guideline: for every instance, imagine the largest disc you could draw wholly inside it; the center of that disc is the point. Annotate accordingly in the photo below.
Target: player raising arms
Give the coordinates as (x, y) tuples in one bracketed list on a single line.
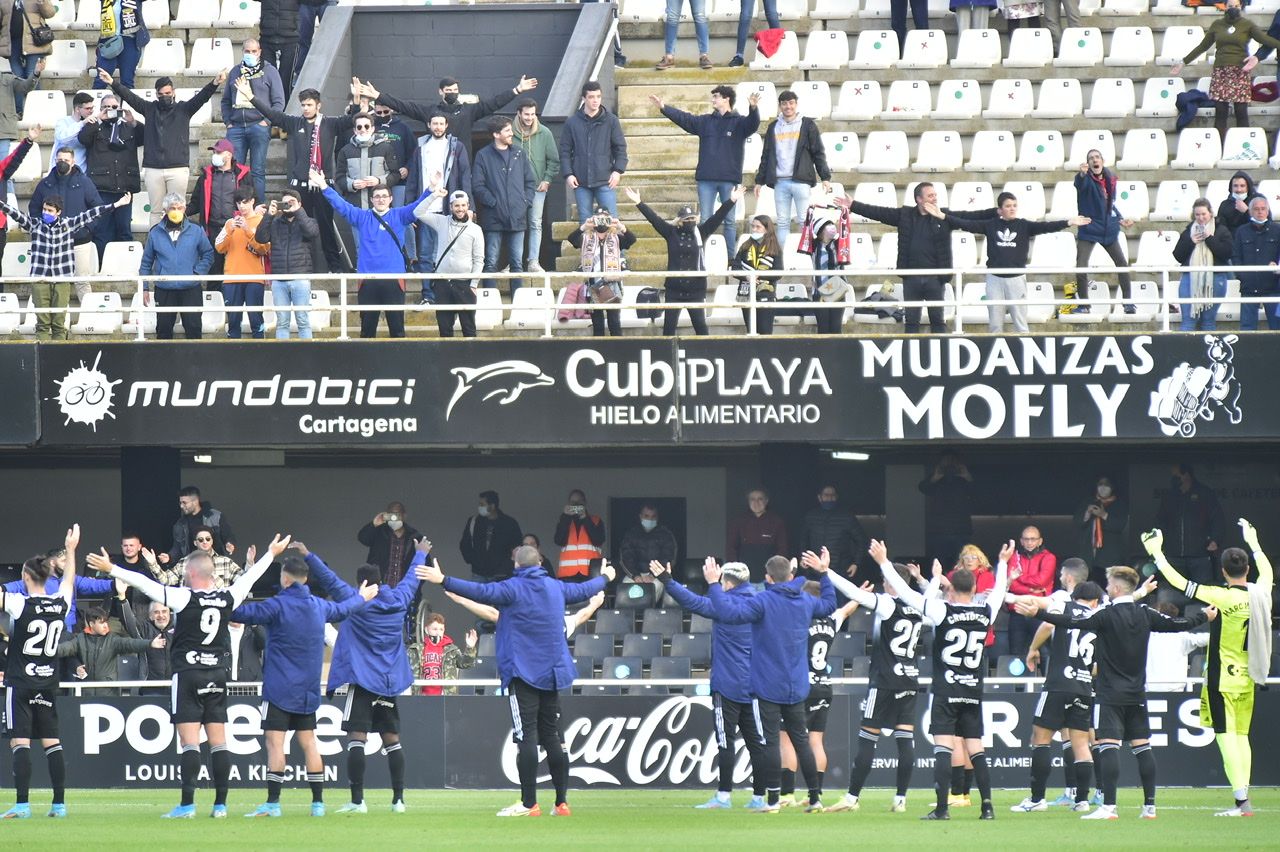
[(1120, 712), (200, 657), (31, 675), (891, 698), (1239, 652), (959, 645)]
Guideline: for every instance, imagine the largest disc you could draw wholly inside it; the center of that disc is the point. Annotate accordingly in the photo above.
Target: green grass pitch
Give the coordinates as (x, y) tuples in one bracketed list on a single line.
[(616, 820)]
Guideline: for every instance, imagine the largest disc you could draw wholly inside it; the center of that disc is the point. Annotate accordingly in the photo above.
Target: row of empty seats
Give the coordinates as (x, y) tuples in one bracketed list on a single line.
[(161, 57), (86, 15), (45, 107)]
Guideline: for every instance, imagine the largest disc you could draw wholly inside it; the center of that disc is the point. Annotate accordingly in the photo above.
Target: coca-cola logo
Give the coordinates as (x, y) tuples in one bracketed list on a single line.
[(668, 746)]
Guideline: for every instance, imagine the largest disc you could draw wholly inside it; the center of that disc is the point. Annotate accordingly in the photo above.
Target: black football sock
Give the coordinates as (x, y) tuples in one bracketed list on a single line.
[(275, 780), (957, 780), (788, 782), (395, 762), (558, 763), (1084, 776), (22, 774), (355, 770), (1068, 768), (58, 772), (316, 782), (1040, 760), (942, 775), (968, 780), (982, 775), (821, 777), (190, 763), (1108, 768), (906, 741), (862, 762), (220, 757), (1147, 772)]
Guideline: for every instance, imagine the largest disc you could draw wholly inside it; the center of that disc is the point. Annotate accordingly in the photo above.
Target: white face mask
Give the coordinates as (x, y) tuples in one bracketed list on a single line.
[(1104, 491), (395, 525), (363, 138), (1239, 196), (649, 524), (219, 160), (483, 511), (757, 237)]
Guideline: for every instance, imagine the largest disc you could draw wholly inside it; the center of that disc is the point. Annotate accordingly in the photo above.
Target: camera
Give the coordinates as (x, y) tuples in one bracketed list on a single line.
[(112, 114), (601, 221)]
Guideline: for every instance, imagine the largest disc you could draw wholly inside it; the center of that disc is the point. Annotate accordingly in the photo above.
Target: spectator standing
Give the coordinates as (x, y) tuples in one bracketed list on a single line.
[(442, 658), (112, 143), (294, 238), (213, 197), (949, 493), (53, 260), (1032, 570), (1101, 521), (381, 234), (488, 540), (1195, 527), (745, 14), (13, 88), (646, 541), (390, 542), (924, 242), (310, 14), (793, 161), (1231, 84), (8, 165), (394, 129), (460, 116), (836, 528), (1027, 15), (244, 253), (66, 133), (68, 182), (684, 238), (247, 128), (1233, 211), (122, 34), (722, 137), (1096, 199), (24, 53), (972, 14), (366, 162), (312, 139), (1256, 243), (278, 31), (540, 146), (701, 30), (166, 161), (1055, 11), (601, 242), (580, 536), (755, 535), (438, 153), (459, 251), (99, 650), (1200, 246), (759, 255), (593, 154), (176, 246), (194, 514), (829, 247), (159, 623), (504, 185)]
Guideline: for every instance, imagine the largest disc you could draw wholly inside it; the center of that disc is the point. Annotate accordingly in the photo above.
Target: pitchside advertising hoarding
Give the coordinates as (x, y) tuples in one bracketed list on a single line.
[(655, 741), (637, 391)]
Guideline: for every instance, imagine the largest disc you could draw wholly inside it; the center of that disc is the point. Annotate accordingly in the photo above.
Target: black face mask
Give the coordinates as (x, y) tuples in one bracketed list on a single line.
[(64, 168), (451, 97), (165, 100), (1233, 14)]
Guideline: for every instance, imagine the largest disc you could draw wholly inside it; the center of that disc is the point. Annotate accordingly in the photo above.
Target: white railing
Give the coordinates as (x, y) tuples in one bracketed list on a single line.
[(1165, 275)]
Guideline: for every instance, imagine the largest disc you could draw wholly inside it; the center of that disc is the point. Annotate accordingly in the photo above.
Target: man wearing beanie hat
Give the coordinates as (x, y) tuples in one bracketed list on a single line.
[(459, 251)]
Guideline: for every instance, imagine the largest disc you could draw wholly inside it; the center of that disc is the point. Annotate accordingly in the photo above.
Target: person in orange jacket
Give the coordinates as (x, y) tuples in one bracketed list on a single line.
[(244, 256)]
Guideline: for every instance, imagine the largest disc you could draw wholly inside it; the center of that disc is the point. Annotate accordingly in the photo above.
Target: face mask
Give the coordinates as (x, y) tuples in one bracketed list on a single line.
[(827, 504), (175, 216), (219, 160), (64, 168), (757, 237), (1104, 491), (363, 138), (395, 525), (1239, 196), (451, 97), (649, 524), (483, 511), (250, 61), (49, 218), (164, 100), (1233, 14), (1257, 221)]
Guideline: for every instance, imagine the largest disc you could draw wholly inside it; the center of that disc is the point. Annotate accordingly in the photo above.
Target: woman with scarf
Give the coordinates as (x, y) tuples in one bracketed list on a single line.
[(121, 37), (1101, 521), (825, 236), (759, 253), (601, 240), (1202, 245), (1231, 84)]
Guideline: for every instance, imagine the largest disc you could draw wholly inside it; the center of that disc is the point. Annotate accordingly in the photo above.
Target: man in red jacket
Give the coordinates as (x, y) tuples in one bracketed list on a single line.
[(1031, 572)]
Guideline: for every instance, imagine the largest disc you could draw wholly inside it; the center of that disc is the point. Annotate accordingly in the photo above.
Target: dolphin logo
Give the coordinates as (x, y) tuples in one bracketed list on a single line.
[(509, 380)]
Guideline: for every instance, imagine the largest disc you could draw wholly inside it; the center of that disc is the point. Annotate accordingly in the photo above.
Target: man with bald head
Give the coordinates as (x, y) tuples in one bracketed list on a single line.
[(1032, 571)]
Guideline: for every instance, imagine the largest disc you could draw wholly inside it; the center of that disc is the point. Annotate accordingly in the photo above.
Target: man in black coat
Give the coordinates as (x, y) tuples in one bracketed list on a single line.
[(488, 540), (111, 146), (390, 541), (834, 528), (278, 36), (791, 179)]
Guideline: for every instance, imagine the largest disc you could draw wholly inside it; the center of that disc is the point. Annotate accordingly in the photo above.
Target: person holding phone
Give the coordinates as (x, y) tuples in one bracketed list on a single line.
[(580, 536)]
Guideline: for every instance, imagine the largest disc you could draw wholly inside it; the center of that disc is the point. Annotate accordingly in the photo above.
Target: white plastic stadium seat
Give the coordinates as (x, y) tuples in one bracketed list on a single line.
[(1218, 190), (725, 310), (1145, 148), (239, 14), (874, 9), (875, 49), (44, 108), (1029, 49), (970, 195), (643, 11), (1040, 292), (924, 49), (88, 15), (1099, 293), (1081, 47), (862, 250), (1112, 98), (122, 258), (489, 311), (793, 289), (977, 49), (908, 99), (715, 255), (1125, 8), (1146, 301), (880, 194), (964, 250), (1155, 248), (843, 151), (155, 14), (875, 318), (825, 50), (202, 116), (1244, 148), (793, 10), (814, 97), (1060, 97), (68, 58), (64, 15), (1160, 96), (530, 307), (752, 151), (973, 308), (860, 100), (32, 165), (10, 313), (195, 14), (1050, 250), (785, 58), (1010, 97), (1177, 42), (1040, 151), (100, 313), (887, 251), (1030, 195), (834, 10), (1198, 148), (138, 313), (992, 150), (1084, 141), (1268, 188), (140, 213), (885, 151), (1174, 199), (1133, 200), (768, 103), (1131, 46), (938, 151), (163, 57), (210, 55), (1172, 7), (960, 99)]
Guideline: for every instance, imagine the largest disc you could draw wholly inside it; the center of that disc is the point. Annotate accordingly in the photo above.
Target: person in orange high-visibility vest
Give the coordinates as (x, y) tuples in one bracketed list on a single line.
[(581, 539)]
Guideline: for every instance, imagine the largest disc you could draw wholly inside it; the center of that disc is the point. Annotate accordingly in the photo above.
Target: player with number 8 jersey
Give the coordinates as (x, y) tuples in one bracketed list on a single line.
[(200, 657)]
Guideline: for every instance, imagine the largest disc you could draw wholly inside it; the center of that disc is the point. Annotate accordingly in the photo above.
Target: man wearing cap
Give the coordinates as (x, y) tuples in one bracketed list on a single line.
[(213, 199), (460, 252)]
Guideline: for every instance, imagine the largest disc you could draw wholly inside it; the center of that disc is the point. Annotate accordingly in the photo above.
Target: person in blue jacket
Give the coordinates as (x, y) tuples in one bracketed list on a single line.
[(534, 663), (1096, 198), (370, 659), (779, 621), (382, 251), (89, 587), (295, 623), (176, 246), (730, 679)]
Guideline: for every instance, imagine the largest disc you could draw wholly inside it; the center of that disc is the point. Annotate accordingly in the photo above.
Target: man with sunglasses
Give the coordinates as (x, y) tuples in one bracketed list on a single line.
[(223, 570), (366, 164), (393, 128)]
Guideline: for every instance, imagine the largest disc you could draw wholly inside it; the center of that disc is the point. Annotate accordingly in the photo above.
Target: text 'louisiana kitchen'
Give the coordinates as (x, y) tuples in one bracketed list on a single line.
[(589, 375)]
